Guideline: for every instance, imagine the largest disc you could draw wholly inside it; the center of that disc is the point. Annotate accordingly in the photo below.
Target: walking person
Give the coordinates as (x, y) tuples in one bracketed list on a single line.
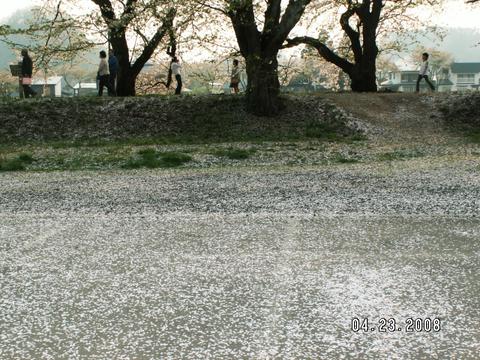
[(235, 78), (113, 68), (27, 71), (423, 73), (103, 73), (176, 71)]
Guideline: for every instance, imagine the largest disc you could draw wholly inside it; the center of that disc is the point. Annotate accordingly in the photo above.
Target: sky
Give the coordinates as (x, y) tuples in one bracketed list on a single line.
[(9, 7), (456, 13)]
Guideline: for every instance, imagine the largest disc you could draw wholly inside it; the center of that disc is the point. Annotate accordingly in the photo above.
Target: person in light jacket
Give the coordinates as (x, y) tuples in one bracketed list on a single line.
[(103, 74), (235, 77), (176, 71), (423, 73)]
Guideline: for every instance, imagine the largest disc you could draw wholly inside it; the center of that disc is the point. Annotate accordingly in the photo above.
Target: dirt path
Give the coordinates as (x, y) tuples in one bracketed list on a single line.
[(397, 117)]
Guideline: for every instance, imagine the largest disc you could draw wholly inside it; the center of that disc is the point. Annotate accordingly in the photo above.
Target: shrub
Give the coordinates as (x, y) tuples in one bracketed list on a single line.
[(152, 159), (16, 164)]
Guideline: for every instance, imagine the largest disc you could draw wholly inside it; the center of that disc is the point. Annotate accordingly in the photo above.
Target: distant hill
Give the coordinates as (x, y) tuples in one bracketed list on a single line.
[(17, 20)]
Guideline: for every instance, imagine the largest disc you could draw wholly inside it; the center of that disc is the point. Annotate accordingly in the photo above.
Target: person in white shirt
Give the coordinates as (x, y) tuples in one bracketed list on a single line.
[(423, 73), (176, 71), (103, 73), (235, 77)]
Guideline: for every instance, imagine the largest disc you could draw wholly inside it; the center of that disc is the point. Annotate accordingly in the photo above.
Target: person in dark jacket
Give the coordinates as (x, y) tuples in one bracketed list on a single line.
[(27, 71), (114, 67)]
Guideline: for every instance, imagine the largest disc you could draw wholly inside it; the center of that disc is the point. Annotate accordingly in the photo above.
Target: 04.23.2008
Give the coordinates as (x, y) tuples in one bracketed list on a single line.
[(393, 325)]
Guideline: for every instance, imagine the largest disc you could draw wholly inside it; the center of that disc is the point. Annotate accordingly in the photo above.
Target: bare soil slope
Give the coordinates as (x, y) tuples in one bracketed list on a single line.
[(397, 117)]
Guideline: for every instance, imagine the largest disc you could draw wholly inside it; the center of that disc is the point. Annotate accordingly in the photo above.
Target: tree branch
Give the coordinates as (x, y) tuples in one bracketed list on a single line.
[(152, 45), (324, 51), (353, 35), (290, 18), (272, 16), (245, 27)]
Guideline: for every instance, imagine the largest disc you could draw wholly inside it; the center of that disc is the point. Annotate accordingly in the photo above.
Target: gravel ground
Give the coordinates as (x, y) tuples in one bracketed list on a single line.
[(241, 263)]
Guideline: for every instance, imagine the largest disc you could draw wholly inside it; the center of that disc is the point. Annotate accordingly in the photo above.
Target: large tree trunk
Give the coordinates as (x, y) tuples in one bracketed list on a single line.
[(364, 72), (126, 77), (260, 48), (263, 85), (126, 82), (364, 78)]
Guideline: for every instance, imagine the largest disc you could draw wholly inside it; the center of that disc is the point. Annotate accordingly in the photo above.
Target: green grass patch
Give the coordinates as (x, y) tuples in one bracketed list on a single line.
[(341, 159), (212, 119), (331, 132), (356, 138), (322, 131), (400, 155), (234, 154), (153, 159), (474, 137), (12, 165), (18, 163), (26, 158), (174, 159), (345, 158)]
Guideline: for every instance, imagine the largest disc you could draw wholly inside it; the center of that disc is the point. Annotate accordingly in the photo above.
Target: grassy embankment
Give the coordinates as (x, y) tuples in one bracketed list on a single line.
[(208, 131), (156, 132)]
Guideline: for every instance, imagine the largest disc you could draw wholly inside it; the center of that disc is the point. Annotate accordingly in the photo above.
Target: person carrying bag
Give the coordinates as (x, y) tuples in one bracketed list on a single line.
[(27, 71)]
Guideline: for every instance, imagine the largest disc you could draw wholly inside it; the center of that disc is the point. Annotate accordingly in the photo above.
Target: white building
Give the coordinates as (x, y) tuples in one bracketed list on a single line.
[(465, 76), (459, 77), (52, 87), (404, 81), (85, 89)]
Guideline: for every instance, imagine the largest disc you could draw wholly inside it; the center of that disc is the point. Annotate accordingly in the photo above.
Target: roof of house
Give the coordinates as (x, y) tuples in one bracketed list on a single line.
[(463, 68), (53, 80)]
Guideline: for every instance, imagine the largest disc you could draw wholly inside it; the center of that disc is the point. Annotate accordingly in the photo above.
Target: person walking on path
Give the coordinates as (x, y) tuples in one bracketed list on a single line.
[(113, 68), (235, 78), (103, 73), (176, 71), (423, 73), (27, 71)]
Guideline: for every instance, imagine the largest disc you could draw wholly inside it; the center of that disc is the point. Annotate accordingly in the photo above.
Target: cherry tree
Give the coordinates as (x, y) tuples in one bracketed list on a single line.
[(363, 23), (261, 27)]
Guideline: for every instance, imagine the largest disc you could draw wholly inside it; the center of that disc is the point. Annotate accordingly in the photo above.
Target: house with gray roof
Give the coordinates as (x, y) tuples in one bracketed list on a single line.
[(404, 81), (459, 77), (465, 76)]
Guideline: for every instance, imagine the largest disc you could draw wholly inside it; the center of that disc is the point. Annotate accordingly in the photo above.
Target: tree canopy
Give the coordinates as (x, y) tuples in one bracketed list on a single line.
[(362, 23), (350, 34)]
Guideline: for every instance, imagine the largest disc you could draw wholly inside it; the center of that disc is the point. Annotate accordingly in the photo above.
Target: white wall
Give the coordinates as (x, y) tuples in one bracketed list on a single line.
[(58, 89), (459, 86)]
